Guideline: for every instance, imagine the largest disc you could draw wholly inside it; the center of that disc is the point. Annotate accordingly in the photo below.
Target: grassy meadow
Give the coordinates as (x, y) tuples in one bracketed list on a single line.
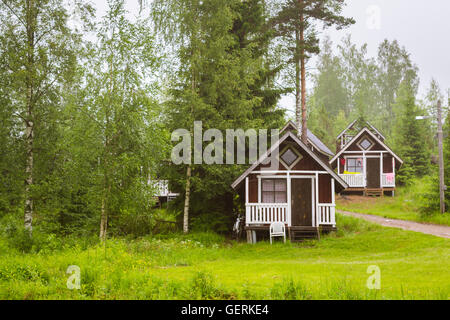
[(207, 266), (405, 205)]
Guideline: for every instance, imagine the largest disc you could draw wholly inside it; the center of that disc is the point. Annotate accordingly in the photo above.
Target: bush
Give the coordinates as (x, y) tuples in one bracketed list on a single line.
[(216, 222), (134, 224)]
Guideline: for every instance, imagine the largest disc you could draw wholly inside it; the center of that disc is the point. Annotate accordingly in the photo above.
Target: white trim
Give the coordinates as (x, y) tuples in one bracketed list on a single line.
[(316, 204), (368, 151), (259, 189), (333, 196), (246, 191), (381, 171), (264, 172), (285, 176), (352, 157), (372, 144), (289, 201), (367, 122), (356, 138), (299, 157), (313, 209), (345, 130), (376, 130)]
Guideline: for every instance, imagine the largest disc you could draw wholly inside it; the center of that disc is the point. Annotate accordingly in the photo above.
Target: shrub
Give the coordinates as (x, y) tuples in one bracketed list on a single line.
[(289, 290)]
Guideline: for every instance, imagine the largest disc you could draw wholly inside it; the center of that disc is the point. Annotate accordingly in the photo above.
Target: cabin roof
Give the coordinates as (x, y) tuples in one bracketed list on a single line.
[(363, 130), (294, 137), (315, 142), (346, 129), (367, 122)]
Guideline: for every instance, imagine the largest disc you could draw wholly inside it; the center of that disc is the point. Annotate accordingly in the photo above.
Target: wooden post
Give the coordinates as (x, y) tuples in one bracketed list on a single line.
[(246, 191), (317, 200), (249, 236), (259, 189), (381, 171), (333, 200), (339, 165), (364, 169), (289, 216), (441, 159), (332, 192)]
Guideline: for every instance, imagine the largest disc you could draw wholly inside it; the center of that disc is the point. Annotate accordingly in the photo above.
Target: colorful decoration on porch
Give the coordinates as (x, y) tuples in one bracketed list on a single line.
[(342, 161), (390, 177)]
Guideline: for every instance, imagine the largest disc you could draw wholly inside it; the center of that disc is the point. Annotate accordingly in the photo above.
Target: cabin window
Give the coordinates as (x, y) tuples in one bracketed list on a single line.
[(365, 143), (274, 191), (355, 165), (290, 157)]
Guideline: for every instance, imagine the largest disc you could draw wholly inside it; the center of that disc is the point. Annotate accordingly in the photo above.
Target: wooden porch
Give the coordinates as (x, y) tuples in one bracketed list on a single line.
[(322, 216)]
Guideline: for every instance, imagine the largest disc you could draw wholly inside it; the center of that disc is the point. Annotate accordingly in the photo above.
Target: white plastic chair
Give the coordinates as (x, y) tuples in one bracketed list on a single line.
[(277, 229)]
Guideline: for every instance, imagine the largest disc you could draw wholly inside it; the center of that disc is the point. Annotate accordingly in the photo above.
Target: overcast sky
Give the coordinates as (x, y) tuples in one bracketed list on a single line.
[(423, 27)]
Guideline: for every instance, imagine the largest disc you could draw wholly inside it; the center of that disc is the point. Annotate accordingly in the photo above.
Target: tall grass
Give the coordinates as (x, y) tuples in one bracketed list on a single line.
[(207, 266)]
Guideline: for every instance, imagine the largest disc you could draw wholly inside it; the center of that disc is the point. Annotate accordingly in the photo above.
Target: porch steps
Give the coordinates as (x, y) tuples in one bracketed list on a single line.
[(298, 233), (373, 192)]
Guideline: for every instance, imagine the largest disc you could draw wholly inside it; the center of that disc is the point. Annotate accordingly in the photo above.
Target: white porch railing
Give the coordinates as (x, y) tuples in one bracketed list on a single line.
[(264, 213), (353, 180), (326, 214), (388, 180)]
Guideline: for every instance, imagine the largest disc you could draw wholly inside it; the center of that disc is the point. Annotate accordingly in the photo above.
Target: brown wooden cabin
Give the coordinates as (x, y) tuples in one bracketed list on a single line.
[(298, 190), (364, 161)]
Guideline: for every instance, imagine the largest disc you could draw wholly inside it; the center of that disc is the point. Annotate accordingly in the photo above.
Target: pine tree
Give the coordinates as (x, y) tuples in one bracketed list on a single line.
[(411, 136), (295, 25), (222, 78)]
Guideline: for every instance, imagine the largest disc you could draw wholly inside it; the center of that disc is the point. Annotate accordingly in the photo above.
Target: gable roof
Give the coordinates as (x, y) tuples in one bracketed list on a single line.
[(315, 142), (303, 146), (365, 129), (367, 122), (345, 130), (376, 130)]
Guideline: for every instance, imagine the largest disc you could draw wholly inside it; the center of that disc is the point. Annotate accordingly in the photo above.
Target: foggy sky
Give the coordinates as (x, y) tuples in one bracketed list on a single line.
[(422, 27)]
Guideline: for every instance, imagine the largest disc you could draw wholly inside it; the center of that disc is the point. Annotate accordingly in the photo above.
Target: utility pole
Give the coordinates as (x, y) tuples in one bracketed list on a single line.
[(441, 158)]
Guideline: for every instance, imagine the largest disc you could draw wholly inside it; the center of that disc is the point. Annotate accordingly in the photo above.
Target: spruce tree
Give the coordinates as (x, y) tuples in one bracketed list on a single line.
[(223, 78), (411, 135)]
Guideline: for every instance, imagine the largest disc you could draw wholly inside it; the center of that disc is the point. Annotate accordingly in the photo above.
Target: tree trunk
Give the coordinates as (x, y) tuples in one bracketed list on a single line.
[(29, 132), (103, 220), (298, 119), (29, 122), (187, 199), (303, 78)]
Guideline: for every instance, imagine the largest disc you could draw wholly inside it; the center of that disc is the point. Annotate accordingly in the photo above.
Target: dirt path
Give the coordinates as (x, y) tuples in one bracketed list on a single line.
[(434, 229)]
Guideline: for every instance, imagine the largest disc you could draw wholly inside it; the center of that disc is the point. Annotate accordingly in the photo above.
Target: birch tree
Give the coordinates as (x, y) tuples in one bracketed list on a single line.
[(39, 51), (121, 112)]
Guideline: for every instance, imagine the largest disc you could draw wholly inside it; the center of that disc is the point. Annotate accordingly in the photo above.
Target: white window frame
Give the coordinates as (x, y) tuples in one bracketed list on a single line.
[(299, 155), (354, 158), (365, 137)]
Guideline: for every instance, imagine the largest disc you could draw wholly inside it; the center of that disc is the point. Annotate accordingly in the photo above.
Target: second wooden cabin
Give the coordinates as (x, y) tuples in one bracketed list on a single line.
[(364, 161)]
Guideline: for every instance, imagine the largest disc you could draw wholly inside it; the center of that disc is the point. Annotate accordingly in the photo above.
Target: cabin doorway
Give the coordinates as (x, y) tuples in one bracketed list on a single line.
[(373, 172), (301, 202)]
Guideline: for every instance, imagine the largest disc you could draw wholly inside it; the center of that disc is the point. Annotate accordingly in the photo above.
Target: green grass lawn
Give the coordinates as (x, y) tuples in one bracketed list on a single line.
[(205, 266), (402, 207)]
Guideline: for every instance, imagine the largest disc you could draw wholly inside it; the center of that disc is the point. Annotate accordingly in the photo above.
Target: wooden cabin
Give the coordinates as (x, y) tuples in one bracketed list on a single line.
[(298, 190), (162, 192), (364, 161)]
